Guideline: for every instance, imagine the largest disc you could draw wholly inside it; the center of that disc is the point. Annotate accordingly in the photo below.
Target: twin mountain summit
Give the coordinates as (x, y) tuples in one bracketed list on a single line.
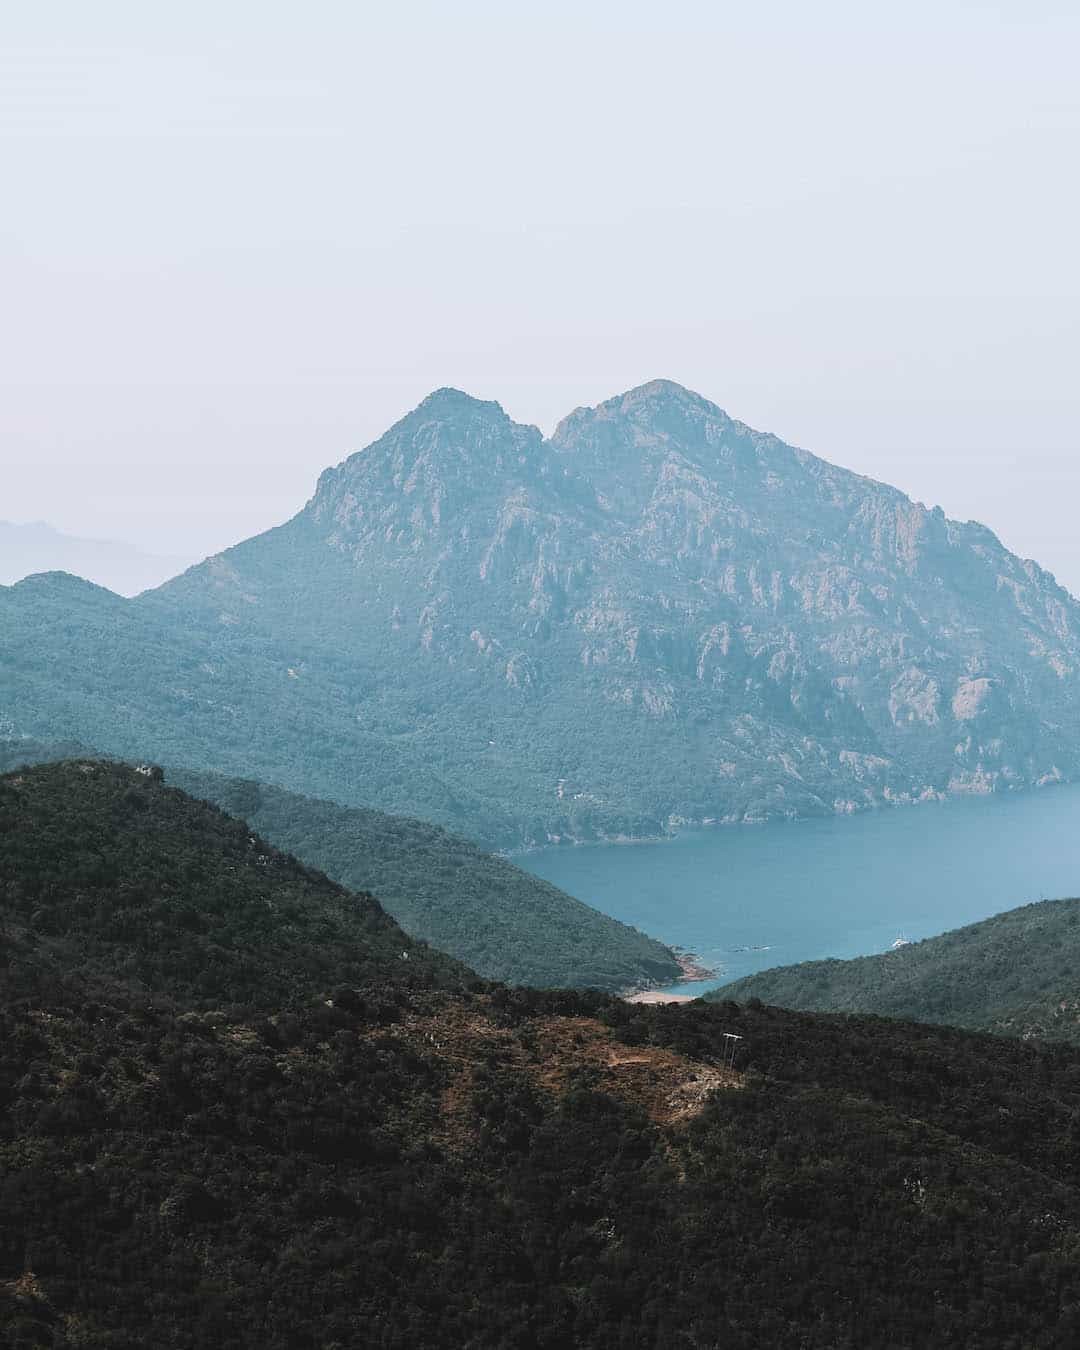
[(656, 616), (241, 1106)]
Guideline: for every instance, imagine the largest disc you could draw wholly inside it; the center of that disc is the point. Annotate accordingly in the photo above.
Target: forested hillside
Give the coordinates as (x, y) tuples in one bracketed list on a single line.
[(1015, 974), (114, 877), (501, 921), (234, 1115), (81, 664), (656, 615)]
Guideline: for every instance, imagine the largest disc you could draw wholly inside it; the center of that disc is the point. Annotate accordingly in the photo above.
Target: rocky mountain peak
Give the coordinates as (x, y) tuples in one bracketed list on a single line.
[(626, 442), (648, 439), (450, 404), (651, 395), (659, 394), (449, 455), (447, 420), (657, 613), (660, 406)]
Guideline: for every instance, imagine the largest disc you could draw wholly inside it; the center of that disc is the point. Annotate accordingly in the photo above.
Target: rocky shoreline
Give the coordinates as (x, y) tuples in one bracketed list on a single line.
[(887, 801), (692, 969)]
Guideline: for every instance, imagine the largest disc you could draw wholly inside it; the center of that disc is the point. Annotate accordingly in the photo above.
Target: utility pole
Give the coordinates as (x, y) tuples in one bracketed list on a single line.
[(731, 1044)]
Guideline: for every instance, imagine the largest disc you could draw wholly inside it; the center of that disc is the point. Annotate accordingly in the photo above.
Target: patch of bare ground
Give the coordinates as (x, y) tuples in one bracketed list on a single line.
[(554, 1053), (27, 1286)]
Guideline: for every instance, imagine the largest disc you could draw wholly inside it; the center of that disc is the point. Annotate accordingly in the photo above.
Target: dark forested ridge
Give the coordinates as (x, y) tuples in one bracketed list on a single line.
[(657, 615), (503, 922), (111, 875), (1015, 974), (500, 920), (233, 1116)]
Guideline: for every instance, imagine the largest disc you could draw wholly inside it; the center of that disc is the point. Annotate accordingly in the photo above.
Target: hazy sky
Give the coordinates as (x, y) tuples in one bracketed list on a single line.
[(238, 240)]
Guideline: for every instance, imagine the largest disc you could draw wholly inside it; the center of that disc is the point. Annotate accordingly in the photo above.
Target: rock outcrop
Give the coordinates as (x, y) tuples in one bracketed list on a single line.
[(656, 615)]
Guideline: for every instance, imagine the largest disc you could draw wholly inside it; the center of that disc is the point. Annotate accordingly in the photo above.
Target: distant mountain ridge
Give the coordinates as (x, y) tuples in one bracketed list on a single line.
[(123, 568), (656, 616)]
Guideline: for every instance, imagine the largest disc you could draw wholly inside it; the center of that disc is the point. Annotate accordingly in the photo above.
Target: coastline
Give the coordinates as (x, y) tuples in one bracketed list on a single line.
[(678, 824), (656, 996), (692, 969)]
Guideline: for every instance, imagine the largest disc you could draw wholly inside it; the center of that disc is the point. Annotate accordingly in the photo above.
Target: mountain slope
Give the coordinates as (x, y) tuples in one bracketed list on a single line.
[(411, 1161), (500, 920), (1014, 974), (101, 860), (656, 615), (81, 664)]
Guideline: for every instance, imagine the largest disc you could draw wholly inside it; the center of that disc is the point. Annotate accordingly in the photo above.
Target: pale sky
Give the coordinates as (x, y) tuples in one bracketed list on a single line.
[(239, 239)]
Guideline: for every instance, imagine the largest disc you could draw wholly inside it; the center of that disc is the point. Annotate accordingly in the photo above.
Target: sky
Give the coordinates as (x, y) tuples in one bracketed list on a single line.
[(238, 240)]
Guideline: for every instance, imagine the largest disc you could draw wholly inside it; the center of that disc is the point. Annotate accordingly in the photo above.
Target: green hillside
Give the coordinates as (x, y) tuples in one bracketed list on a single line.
[(501, 921), (1017, 974), (232, 1116), (112, 876), (81, 664)]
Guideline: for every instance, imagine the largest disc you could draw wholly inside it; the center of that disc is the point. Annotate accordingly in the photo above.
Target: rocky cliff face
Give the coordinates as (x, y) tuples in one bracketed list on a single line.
[(657, 615)]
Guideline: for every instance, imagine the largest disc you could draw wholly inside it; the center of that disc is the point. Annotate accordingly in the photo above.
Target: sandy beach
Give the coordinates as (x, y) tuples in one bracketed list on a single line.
[(656, 996)]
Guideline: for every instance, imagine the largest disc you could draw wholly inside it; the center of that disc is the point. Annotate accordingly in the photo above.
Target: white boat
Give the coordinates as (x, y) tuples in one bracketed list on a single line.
[(901, 941)]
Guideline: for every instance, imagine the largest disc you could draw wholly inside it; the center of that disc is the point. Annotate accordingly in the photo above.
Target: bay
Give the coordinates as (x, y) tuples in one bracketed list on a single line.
[(747, 898)]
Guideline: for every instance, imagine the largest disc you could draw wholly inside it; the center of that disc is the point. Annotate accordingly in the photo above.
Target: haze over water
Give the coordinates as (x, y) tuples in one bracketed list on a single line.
[(749, 898)]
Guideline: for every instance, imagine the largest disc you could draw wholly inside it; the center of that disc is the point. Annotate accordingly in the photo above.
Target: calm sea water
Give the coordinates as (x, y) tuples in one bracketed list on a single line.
[(749, 897)]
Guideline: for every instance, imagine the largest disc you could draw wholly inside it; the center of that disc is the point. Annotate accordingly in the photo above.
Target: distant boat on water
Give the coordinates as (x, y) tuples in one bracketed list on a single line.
[(901, 941)]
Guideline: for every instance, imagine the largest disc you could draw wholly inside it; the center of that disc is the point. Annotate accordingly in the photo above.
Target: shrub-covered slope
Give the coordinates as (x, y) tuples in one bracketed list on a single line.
[(1017, 973), (78, 663), (110, 875), (287, 1136), (501, 921)]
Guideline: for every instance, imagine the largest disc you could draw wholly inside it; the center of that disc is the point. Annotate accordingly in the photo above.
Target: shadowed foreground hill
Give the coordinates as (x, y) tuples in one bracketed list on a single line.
[(111, 876), (1013, 974), (503, 922), (233, 1116)]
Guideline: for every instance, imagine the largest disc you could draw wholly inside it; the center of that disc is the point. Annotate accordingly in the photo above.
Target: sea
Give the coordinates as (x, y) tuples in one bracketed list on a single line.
[(750, 897)]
